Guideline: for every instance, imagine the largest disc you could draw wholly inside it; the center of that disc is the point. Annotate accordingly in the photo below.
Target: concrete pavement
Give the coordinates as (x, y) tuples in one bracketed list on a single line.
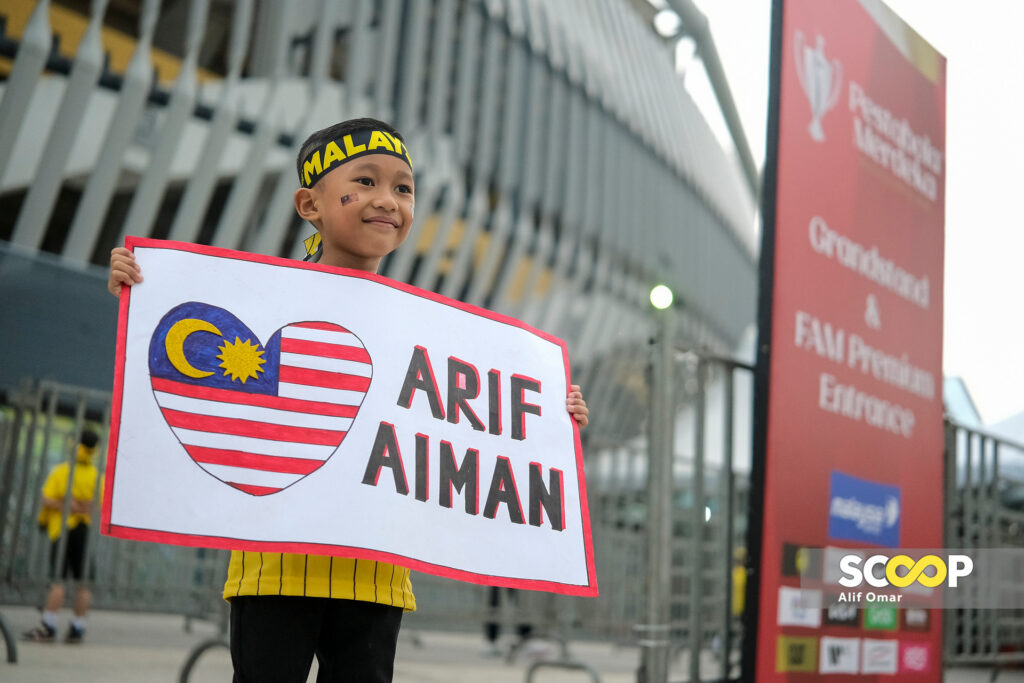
[(124, 647)]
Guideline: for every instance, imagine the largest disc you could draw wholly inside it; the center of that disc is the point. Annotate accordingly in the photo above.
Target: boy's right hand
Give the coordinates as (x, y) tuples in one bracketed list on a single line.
[(124, 272)]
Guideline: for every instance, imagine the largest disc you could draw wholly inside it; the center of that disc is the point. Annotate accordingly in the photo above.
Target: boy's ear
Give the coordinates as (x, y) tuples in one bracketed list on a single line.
[(306, 205)]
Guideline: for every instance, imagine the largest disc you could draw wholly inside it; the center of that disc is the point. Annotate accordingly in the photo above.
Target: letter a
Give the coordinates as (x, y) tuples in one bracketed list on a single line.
[(385, 453), (503, 490), (420, 375)]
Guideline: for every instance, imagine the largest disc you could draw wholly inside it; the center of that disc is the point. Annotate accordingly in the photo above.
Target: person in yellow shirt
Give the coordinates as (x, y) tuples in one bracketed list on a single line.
[(85, 482)]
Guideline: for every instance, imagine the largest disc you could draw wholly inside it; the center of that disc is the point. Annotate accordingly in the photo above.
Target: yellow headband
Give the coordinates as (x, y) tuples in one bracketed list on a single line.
[(333, 153)]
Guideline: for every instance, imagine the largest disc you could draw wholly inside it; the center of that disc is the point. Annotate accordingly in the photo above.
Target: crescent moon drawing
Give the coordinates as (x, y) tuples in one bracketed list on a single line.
[(175, 342)]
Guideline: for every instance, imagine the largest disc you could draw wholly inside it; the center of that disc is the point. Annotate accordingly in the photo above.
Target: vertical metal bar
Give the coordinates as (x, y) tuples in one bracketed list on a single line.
[(434, 160), (654, 634), (25, 73), (995, 540), (467, 98), (570, 248), (728, 496), (524, 176), (30, 229), (147, 196), (238, 208), (436, 157), (984, 507), (551, 196), (698, 519), (6, 488), (202, 181), (48, 420), (85, 227), (387, 54), (440, 72), (358, 72), (509, 165), (97, 493), (951, 538), (414, 42), (62, 544), (235, 214), (485, 153), (967, 498), (323, 111), (12, 546)]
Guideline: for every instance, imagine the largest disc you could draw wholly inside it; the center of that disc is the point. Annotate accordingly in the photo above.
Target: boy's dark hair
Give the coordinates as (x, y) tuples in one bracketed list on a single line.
[(325, 135), (89, 438)]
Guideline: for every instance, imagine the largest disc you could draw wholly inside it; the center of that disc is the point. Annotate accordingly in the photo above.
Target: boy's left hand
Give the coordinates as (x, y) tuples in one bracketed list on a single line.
[(576, 406)]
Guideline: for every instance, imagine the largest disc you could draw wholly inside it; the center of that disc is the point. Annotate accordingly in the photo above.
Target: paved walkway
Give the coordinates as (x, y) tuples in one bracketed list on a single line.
[(124, 647)]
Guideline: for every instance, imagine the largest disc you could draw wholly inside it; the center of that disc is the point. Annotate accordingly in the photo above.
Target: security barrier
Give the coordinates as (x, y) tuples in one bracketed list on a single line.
[(984, 509), (41, 424)]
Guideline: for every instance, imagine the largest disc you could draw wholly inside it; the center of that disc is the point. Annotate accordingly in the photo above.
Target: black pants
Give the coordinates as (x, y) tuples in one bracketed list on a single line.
[(274, 638), (74, 555)]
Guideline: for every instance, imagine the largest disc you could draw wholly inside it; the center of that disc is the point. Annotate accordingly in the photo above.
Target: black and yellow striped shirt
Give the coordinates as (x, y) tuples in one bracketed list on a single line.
[(318, 576)]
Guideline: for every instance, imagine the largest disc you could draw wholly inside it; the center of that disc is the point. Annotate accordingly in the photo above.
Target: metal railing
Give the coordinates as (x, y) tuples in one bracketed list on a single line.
[(984, 510), (41, 425)]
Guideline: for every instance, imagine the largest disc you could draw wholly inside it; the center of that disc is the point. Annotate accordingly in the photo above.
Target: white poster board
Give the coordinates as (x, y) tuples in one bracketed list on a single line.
[(268, 404)]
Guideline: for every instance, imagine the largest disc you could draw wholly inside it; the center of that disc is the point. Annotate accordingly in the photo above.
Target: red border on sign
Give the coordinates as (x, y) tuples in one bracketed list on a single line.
[(588, 590)]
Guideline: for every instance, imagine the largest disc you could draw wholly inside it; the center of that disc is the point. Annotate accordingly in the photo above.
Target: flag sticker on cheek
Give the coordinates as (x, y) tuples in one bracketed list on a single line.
[(349, 198)]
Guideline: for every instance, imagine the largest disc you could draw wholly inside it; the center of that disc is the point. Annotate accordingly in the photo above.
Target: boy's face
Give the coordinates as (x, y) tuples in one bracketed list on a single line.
[(365, 209)]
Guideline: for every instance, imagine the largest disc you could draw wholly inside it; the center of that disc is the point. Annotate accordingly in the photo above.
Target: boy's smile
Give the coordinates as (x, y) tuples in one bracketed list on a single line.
[(363, 210)]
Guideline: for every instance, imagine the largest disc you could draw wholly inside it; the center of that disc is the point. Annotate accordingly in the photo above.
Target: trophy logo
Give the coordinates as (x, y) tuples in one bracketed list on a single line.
[(819, 78)]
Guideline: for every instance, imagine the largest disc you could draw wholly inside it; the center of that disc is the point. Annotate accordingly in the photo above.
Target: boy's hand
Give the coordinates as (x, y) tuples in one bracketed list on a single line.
[(576, 406), (124, 272)]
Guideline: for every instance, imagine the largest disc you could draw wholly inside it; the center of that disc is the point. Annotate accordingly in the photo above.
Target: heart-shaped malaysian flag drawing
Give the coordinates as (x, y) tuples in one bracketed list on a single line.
[(257, 417)]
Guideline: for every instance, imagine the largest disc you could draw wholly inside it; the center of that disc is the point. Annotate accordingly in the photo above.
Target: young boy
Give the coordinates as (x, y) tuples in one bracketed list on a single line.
[(357, 190)]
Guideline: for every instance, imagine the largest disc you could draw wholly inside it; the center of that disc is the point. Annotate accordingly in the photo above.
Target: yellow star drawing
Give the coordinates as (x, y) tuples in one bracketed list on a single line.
[(241, 359)]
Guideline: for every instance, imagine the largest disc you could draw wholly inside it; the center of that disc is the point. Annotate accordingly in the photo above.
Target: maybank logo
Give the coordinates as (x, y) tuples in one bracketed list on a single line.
[(902, 571), (863, 510), (871, 519)]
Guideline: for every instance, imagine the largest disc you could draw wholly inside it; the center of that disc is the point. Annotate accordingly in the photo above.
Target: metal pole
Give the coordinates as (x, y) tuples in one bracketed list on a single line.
[(698, 520), (951, 537), (695, 25), (727, 509), (654, 634)]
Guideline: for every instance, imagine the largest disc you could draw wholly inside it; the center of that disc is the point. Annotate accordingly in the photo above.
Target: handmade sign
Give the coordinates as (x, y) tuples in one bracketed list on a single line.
[(268, 404)]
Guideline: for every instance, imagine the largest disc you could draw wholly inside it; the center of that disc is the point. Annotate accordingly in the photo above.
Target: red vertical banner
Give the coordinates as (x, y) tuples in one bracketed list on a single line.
[(848, 413)]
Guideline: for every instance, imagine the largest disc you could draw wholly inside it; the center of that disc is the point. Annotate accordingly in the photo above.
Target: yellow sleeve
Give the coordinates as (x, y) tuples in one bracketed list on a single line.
[(56, 484)]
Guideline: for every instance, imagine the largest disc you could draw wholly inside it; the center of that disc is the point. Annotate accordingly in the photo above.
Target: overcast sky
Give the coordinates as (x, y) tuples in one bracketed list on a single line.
[(984, 268)]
